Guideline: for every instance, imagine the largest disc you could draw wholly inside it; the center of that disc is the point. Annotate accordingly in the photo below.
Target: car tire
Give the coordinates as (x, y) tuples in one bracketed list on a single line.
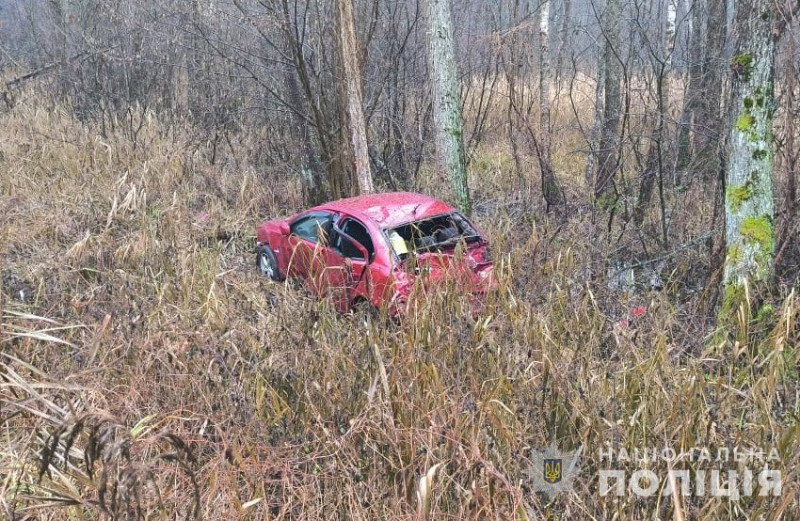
[(268, 264)]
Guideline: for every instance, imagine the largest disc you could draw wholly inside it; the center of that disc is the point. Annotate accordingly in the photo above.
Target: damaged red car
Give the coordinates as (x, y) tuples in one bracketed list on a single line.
[(372, 249)]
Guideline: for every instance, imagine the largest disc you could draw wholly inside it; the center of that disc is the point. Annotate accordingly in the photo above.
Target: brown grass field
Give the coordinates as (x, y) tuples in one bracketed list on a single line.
[(147, 370)]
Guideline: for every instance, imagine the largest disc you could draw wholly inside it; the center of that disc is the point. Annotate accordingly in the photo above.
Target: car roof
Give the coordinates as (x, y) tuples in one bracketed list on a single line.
[(390, 209)]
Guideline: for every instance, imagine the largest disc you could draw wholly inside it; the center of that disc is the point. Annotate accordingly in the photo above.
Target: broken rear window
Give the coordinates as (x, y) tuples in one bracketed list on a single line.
[(435, 233)]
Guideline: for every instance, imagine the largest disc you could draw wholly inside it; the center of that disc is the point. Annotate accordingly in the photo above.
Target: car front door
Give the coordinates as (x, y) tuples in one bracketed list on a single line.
[(308, 239)]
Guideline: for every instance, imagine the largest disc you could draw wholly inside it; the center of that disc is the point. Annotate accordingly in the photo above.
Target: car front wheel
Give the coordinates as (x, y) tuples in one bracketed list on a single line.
[(268, 264)]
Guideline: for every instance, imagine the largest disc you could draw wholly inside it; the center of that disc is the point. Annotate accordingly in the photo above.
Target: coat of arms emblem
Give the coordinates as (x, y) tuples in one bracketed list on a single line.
[(553, 471)]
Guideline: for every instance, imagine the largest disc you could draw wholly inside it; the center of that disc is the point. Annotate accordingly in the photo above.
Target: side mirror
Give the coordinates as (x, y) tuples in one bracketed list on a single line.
[(285, 229)]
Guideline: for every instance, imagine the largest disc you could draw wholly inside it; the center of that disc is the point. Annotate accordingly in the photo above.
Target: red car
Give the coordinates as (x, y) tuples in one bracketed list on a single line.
[(372, 248)]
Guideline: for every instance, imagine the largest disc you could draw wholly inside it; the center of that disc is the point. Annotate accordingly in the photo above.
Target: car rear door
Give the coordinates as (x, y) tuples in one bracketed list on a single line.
[(347, 262)]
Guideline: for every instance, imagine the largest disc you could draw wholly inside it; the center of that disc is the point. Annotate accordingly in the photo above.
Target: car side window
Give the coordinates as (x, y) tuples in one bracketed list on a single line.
[(315, 227), (359, 232)]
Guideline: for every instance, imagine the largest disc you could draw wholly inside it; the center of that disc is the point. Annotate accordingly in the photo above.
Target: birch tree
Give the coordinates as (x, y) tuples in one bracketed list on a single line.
[(550, 188), (446, 99), (749, 212)]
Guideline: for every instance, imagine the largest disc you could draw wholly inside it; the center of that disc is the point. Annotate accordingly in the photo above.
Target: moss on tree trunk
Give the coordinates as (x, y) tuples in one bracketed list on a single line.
[(749, 231)]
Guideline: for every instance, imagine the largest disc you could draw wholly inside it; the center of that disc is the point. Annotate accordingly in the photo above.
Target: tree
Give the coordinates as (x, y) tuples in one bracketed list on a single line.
[(708, 120), (749, 232), (551, 190), (446, 100), (321, 102), (691, 98), (701, 123), (352, 78), (660, 56), (608, 152), (789, 129)]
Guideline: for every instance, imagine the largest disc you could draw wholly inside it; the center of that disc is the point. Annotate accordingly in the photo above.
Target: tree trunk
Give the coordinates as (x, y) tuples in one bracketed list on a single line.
[(708, 120), (791, 81), (355, 109), (605, 187), (310, 167), (312, 177), (655, 155), (446, 99), (749, 230), (551, 190), (683, 158), (700, 128), (321, 118), (653, 165), (597, 124), (563, 39)]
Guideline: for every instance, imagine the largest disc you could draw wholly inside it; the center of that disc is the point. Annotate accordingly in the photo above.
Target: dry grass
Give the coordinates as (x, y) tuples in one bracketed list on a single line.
[(148, 371)]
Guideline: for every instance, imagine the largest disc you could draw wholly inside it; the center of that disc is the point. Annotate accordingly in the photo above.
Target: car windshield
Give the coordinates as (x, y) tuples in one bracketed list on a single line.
[(434, 233)]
